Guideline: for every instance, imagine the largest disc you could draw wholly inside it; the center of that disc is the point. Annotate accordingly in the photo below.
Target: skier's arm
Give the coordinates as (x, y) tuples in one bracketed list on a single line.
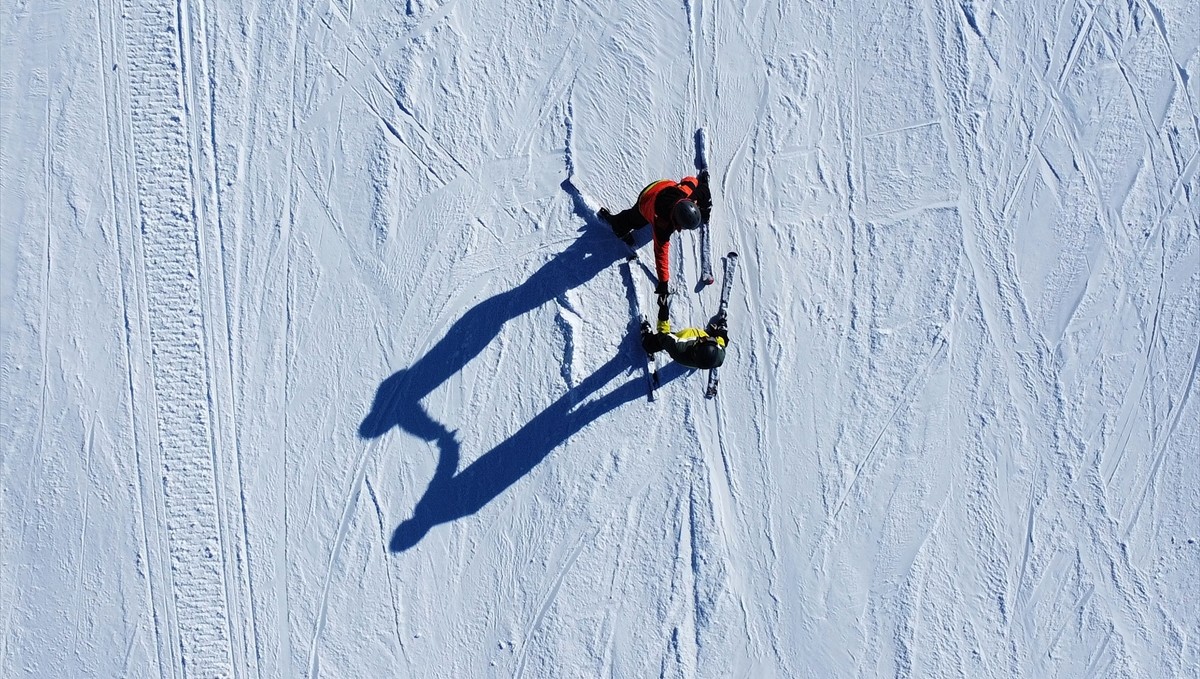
[(662, 261)]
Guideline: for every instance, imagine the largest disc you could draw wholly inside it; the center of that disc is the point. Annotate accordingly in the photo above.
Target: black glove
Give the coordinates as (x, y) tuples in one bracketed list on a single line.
[(662, 290), (718, 327), (703, 178)]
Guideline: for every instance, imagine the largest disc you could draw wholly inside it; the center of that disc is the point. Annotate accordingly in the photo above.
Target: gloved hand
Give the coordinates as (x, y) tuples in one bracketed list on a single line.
[(718, 327), (662, 290), (703, 177)]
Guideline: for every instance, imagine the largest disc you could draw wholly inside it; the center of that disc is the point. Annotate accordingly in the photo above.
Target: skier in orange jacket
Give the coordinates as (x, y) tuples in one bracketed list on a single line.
[(668, 206)]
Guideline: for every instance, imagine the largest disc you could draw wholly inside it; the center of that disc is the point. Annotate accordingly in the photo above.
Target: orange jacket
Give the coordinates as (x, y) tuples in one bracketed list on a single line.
[(658, 213)]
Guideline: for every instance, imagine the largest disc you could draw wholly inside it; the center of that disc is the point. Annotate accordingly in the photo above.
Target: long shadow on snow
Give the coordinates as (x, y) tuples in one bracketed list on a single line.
[(452, 494)]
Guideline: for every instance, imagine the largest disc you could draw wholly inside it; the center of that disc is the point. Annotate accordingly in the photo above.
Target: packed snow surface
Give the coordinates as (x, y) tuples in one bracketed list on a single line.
[(317, 362)]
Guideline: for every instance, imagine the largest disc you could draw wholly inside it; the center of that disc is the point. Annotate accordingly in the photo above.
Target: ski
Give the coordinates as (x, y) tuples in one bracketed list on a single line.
[(652, 362), (727, 282), (589, 210), (706, 274), (722, 312), (676, 263)]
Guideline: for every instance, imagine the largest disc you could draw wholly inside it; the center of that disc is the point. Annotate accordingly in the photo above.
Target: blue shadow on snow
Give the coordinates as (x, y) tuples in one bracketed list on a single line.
[(453, 494)]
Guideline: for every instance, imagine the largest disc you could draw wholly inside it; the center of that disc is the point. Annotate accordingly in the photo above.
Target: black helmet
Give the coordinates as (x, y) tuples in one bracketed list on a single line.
[(708, 354), (685, 214)]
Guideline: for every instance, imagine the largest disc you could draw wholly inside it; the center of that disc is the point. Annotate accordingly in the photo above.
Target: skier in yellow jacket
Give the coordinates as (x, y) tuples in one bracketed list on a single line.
[(691, 347)]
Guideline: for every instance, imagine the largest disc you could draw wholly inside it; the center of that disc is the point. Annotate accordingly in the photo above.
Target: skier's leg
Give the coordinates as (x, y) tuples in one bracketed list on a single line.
[(624, 222)]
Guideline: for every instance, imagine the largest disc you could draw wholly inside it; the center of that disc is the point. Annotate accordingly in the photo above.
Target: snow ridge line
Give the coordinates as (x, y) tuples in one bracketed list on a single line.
[(183, 417)]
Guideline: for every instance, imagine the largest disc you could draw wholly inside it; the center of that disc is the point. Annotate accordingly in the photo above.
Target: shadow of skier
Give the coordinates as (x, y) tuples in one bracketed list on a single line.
[(397, 401), (452, 495)]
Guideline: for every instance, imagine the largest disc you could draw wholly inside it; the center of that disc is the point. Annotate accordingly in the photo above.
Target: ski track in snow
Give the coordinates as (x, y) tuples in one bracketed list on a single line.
[(316, 362), (182, 481)]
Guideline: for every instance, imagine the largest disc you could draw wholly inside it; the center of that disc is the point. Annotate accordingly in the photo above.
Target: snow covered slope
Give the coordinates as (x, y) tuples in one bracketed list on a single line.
[(314, 362)]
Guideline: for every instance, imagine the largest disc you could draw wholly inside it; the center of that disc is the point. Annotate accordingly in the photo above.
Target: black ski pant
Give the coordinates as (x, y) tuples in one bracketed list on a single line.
[(627, 221), (679, 350)]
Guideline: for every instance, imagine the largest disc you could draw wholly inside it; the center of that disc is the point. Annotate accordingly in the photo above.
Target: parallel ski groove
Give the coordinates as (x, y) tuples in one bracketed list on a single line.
[(170, 236), (149, 497), (200, 107), (548, 601)]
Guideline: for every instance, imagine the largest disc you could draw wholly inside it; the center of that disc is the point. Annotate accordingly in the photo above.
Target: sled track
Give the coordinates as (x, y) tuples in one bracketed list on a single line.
[(186, 474)]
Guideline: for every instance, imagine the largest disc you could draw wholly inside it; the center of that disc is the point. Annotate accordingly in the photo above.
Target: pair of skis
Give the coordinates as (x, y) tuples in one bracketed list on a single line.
[(701, 161), (722, 314), (653, 361)]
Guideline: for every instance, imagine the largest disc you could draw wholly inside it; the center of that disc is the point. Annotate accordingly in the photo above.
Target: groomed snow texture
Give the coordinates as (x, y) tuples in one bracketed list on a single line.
[(316, 361)]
